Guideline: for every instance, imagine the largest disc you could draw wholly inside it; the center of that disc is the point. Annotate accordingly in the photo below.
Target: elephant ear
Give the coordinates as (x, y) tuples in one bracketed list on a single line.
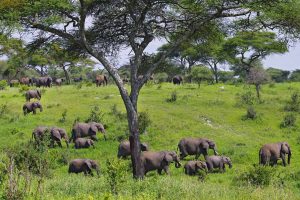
[(284, 148), (168, 158), (94, 128), (204, 145), (88, 164)]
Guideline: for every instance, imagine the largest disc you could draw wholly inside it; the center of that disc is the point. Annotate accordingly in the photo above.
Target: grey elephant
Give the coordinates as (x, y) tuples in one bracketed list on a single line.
[(84, 143), (83, 165), (192, 167), (159, 161), (195, 146), (177, 80), (269, 154), (56, 135), (124, 148), (31, 107), (44, 81), (40, 133), (30, 94), (217, 162), (90, 129)]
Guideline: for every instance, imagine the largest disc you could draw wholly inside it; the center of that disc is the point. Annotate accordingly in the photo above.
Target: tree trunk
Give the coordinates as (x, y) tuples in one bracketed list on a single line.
[(215, 71), (66, 75), (257, 87)]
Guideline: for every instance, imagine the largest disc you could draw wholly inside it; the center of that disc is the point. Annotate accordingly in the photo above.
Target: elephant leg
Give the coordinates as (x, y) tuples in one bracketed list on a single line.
[(59, 143), (166, 169), (94, 137), (52, 143), (282, 155), (34, 111), (159, 171), (209, 166)]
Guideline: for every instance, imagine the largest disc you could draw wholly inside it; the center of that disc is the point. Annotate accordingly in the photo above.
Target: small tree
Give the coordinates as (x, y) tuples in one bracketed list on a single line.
[(257, 77), (201, 73)]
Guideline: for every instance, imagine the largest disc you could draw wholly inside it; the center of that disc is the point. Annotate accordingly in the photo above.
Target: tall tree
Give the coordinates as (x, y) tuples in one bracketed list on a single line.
[(101, 28)]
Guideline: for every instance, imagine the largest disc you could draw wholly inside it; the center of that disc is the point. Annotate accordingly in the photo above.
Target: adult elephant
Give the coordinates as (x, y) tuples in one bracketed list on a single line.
[(44, 81), (269, 154), (30, 94), (217, 162), (196, 146), (25, 81), (40, 133), (56, 135), (81, 130), (83, 165), (58, 81), (84, 143), (124, 148), (177, 80), (77, 79), (159, 161), (101, 79), (192, 167), (31, 107)]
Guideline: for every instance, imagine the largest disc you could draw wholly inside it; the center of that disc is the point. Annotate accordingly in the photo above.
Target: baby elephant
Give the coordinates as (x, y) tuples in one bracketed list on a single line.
[(83, 165), (56, 135), (83, 143), (31, 107), (124, 149), (217, 162), (30, 94), (192, 167)]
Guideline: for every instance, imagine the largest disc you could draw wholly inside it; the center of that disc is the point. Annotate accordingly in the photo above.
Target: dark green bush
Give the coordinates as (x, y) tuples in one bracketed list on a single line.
[(63, 117), (251, 113), (96, 115), (294, 103), (116, 173), (246, 98), (144, 121), (23, 88), (289, 120), (173, 97), (3, 84), (257, 176)]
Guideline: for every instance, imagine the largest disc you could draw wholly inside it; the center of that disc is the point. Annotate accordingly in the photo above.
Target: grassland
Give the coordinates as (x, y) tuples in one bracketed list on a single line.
[(207, 112)]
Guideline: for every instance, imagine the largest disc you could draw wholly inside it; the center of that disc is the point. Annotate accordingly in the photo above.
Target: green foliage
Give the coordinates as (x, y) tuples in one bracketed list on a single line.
[(3, 84), (201, 73), (257, 176), (63, 117), (295, 76), (96, 115), (173, 97), (116, 172), (245, 98), (144, 121), (294, 103), (161, 77), (278, 75), (3, 110), (289, 120), (23, 88), (251, 113)]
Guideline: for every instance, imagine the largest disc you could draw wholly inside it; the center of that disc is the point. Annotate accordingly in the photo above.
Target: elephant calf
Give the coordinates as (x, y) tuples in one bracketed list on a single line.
[(56, 135), (217, 162), (124, 149), (159, 161), (31, 107), (39, 133), (83, 165), (30, 94), (269, 154), (192, 167), (83, 143)]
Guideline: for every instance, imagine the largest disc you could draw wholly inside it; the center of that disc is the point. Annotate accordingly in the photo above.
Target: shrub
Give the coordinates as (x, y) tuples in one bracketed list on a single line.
[(173, 97), (95, 115), (3, 110), (79, 86), (23, 88), (257, 176), (161, 77), (117, 113), (247, 98), (251, 113), (116, 173), (294, 103), (63, 116), (3, 84), (89, 84), (289, 120), (144, 121)]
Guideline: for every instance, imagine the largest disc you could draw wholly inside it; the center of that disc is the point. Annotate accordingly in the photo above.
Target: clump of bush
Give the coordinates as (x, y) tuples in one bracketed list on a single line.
[(257, 176), (63, 117), (117, 113), (3, 110), (161, 77), (89, 84), (23, 88), (116, 173), (3, 84), (289, 120), (144, 121), (251, 114), (96, 115), (246, 98), (293, 104), (173, 97)]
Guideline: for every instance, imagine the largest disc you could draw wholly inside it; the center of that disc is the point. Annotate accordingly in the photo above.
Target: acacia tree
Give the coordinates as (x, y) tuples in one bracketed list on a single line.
[(100, 28), (257, 76)]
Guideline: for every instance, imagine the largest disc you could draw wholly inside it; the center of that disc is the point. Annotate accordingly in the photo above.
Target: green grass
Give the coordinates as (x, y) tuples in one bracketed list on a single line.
[(198, 112)]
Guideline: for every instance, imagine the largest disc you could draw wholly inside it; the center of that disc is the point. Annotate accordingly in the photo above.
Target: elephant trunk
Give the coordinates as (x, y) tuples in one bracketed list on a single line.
[(41, 108), (215, 151), (289, 156), (177, 163), (98, 171), (230, 164)]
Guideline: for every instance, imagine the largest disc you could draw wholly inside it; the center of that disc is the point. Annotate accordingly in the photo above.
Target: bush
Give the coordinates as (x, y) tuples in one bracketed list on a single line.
[(63, 116), (23, 88), (3, 84), (161, 77), (288, 121), (3, 110), (95, 115), (294, 103), (173, 97), (89, 84), (257, 176), (144, 121), (116, 173), (247, 98), (251, 113), (117, 113)]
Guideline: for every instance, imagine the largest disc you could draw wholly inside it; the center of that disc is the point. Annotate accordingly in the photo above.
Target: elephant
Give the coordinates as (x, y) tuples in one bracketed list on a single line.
[(177, 80), (25, 81), (196, 146), (159, 161), (39, 133), (124, 148), (31, 107), (13, 82), (192, 167), (44, 81), (101, 79), (83, 143), (217, 162), (90, 129), (83, 165), (59, 81), (269, 154), (78, 79), (56, 135), (30, 94)]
